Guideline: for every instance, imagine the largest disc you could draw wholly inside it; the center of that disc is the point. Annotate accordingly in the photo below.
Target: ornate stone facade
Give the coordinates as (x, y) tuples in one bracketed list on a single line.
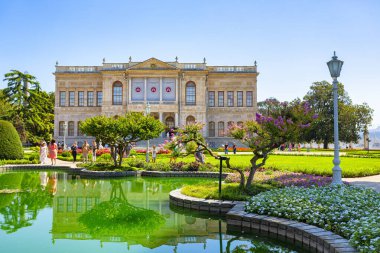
[(178, 93)]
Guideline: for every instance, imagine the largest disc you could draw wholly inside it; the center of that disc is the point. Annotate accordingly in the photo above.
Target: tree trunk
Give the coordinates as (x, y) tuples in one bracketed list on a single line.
[(121, 151), (113, 154), (252, 171), (325, 144)]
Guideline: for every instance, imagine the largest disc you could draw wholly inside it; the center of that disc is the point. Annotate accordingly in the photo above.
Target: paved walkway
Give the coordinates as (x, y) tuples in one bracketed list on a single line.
[(65, 163), (371, 181)]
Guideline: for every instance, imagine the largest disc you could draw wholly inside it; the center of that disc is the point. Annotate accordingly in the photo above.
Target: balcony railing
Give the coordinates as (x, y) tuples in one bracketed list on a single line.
[(115, 66), (77, 69), (247, 69)]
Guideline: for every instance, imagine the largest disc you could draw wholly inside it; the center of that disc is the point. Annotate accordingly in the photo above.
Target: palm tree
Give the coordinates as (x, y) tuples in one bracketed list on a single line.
[(20, 86)]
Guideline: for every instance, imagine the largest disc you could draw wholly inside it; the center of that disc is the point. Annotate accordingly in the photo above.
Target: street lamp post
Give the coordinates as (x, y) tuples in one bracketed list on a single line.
[(147, 112), (335, 66), (64, 135)]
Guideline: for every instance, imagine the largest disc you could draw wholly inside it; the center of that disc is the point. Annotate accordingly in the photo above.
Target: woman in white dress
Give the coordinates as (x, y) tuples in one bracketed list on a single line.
[(43, 152)]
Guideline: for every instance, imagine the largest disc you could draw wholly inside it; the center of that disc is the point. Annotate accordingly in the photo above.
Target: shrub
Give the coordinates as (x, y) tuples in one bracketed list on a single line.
[(138, 163), (104, 157), (100, 152), (34, 156), (157, 166), (10, 144), (179, 166), (194, 166), (66, 154)]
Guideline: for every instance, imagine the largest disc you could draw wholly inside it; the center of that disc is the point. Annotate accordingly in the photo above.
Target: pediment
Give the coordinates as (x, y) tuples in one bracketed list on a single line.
[(153, 63)]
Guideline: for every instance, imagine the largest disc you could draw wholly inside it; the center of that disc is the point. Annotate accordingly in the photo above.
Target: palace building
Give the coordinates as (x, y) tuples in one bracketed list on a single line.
[(178, 94)]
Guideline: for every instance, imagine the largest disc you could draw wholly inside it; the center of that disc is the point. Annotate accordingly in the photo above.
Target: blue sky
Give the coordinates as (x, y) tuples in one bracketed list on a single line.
[(291, 40)]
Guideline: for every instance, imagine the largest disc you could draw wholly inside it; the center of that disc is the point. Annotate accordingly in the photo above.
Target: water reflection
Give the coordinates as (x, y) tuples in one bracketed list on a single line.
[(21, 198), (135, 211)]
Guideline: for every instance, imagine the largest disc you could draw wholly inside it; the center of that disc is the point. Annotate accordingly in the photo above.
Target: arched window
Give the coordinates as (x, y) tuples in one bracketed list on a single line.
[(230, 124), (61, 128), (240, 123), (190, 120), (117, 93), (190, 93), (220, 128), (211, 129), (169, 122), (79, 132), (71, 128)]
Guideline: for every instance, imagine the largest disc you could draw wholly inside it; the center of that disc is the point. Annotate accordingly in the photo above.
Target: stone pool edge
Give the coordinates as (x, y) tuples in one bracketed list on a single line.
[(111, 174), (299, 233)]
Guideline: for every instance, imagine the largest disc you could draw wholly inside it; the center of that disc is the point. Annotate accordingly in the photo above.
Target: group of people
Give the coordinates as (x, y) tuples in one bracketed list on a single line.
[(51, 151), (233, 148)]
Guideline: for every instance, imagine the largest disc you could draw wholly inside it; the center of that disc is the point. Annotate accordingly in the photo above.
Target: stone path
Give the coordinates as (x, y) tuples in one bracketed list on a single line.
[(63, 163), (371, 181)]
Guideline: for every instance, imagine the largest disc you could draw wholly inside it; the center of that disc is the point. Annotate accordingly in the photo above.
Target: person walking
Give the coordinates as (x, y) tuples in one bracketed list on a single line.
[(74, 148), (234, 148), (154, 153), (226, 149), (53, 151), (85, 149), (94, 148), (43, 152)]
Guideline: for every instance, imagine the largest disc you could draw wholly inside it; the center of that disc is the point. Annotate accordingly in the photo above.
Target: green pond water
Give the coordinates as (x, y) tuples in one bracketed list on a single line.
[(58, 212)]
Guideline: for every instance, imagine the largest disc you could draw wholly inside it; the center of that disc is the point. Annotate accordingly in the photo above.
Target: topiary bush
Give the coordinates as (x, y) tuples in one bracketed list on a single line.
[(10, 143)]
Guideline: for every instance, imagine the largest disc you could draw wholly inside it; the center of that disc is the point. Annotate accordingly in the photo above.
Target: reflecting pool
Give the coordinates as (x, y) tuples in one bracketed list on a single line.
[(58, 212)]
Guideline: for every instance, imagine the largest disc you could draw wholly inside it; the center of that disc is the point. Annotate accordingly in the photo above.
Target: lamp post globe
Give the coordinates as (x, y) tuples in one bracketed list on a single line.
[(147, 112), (335, 66)]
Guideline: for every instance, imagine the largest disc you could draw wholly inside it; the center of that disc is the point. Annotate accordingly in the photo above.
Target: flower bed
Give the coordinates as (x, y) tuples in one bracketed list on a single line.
[(351, 212), (283, 178)]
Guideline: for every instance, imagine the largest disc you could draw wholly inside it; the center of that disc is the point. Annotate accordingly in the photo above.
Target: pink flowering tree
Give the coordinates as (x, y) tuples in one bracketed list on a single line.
[(287, 124)]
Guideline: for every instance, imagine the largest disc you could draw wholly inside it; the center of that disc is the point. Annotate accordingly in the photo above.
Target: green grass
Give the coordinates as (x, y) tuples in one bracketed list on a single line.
[(316, 165), (230, 191), (351, 167)]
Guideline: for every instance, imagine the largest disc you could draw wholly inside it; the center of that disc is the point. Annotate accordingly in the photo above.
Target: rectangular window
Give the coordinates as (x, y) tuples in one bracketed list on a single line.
[(61, 128), (230, 98), (71, 128), (211, 98), (61, 204), (71, 98), (70, 204), (221, 129), (79, 133), (80, 205), (90, 98), (80, 98), (220, 98), (62, 98), (249, 102), (240, 98), (99, 97)]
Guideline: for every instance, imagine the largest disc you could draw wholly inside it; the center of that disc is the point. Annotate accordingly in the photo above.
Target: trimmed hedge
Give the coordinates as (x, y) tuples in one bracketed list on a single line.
[(10, 143)]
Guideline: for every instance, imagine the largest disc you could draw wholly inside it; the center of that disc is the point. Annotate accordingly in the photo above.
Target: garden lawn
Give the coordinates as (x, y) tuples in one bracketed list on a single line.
[(316, 165), (351, 167)]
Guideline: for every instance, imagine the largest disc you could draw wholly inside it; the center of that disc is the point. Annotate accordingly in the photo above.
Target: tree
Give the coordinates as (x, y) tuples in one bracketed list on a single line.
[(267, 133), (121, 131), (352, 118), (269, 106), (20, 85), (5, 107), (32, 109)]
